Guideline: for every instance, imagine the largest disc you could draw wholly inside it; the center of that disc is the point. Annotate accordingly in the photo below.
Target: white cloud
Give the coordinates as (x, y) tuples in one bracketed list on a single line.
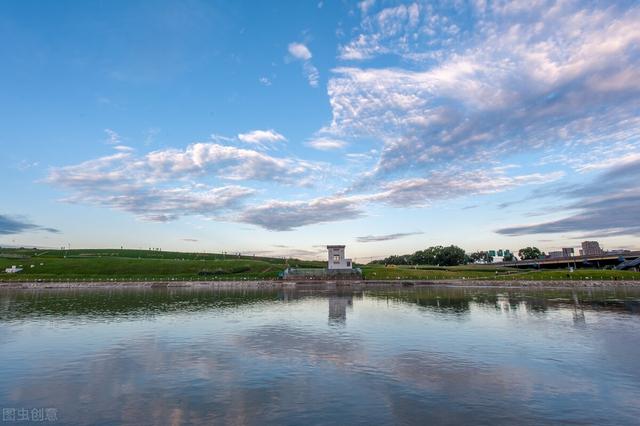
[(463, 89), (326, 144), (302, 53), (312, 74), (113, 137), (165, 184), (165, 204), (417, 192), (265, 81), (553, 76), (222, 161), (394, 31), (450, 184), (386, 237), (606, 162), (286, 215), (608, 205), (365, 5), (150, 135), (261, 136), (299, 51), (26, 165)]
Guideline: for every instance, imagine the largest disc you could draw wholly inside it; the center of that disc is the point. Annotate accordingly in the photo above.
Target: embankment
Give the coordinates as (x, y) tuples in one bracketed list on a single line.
[(264, 284)]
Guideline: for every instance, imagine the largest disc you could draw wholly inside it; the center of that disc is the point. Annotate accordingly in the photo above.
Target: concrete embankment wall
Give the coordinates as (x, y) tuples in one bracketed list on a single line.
[(316, 285), (148, 284)]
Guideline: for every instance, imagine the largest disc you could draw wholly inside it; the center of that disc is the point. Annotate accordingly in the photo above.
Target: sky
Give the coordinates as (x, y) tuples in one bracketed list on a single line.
[(276, 128)]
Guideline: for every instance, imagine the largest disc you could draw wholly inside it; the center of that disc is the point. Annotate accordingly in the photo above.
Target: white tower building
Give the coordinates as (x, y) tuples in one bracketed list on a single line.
[(337, 259)]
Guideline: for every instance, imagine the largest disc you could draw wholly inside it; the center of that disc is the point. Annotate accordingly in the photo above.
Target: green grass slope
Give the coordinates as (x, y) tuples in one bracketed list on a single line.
[(143, 265), (488, 272), (105, 264)]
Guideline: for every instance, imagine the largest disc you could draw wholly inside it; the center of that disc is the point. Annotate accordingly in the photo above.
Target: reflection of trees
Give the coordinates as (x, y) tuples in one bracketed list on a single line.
[(22, 304), (440, 299), (507, 303), (459, 299)]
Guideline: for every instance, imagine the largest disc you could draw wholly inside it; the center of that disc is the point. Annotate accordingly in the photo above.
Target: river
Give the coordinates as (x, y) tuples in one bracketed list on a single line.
[(439, 355)]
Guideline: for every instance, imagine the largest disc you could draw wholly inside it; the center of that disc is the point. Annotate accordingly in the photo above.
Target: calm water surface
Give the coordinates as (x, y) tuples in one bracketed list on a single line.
[(435, 355)]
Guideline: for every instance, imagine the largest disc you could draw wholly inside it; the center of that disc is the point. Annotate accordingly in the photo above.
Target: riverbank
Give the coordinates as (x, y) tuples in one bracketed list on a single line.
[(268, 284)]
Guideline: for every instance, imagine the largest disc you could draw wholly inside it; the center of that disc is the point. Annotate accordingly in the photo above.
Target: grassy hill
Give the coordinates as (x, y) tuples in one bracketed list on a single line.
[(101, 264)]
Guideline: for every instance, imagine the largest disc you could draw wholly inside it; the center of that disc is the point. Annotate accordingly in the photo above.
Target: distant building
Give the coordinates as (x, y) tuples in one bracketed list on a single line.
[(336, 258), (499, 255), (14, 269), (565, 252), (591, 248), (618, 251)]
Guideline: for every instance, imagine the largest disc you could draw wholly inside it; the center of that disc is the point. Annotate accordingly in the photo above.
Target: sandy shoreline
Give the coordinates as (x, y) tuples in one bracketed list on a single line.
[(266, 284)]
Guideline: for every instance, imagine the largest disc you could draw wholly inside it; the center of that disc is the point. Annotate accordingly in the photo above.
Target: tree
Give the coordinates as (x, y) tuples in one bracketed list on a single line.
[(530, 253), (437, 255), (426, 257), (508, 257), (450, 256), (396, 260), (419, 258), (480, 256)]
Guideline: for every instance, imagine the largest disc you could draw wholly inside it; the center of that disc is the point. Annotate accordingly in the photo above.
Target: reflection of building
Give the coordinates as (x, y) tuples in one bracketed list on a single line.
[(336, 258), (578, 312), (338, 308), (591, 248)]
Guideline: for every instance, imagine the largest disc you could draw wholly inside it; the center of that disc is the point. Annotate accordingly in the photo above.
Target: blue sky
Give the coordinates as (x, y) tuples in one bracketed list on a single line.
[(278, 127)]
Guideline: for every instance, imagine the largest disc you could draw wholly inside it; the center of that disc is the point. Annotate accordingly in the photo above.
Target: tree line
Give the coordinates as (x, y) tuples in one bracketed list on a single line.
[(453, 255)]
